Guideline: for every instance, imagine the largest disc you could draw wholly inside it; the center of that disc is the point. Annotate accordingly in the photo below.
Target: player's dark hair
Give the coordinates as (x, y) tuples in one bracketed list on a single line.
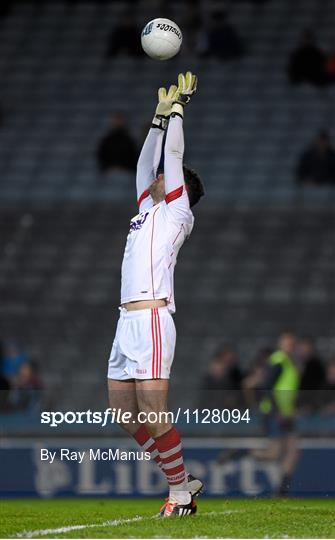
[(195, 189)]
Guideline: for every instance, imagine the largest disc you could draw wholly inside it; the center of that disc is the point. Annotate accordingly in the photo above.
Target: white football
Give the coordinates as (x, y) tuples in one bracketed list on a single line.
[(161, 39)]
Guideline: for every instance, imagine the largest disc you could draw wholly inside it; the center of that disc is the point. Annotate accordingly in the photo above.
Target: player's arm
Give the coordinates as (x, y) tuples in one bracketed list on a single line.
[(176, 194), (151, 151), (146, 166), (272, 375)]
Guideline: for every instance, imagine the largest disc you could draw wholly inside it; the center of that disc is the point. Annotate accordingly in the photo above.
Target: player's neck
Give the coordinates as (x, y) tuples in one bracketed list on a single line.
[(158, 200)]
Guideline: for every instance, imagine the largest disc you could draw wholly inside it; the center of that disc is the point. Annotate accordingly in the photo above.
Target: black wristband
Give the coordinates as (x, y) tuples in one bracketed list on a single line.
[(157, 126)]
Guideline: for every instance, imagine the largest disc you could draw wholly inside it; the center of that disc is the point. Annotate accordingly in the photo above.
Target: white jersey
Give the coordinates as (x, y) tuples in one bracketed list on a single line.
[(157, 233), (150, 255)]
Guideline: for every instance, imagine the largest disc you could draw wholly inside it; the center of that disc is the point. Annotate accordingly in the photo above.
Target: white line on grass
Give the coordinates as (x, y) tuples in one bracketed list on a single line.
[(109, 523)]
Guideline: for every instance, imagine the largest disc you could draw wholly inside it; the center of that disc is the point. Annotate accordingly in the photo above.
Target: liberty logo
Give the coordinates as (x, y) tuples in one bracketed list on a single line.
[(137, 222)]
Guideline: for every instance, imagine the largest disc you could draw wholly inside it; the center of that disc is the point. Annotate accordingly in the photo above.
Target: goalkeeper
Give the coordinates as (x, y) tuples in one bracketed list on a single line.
[(143, 348)]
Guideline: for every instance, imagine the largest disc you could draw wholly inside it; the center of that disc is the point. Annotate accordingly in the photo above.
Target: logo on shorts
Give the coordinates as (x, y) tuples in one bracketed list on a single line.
[(141, 371)]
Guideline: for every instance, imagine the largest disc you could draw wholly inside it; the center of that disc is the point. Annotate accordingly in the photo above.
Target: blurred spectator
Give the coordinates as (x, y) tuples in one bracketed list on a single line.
[(307, 63), (256, 376), (329, 389), (125, 37), (13, 358), (223, 39), (4, 385), (316, 166), (4, 394), (279, 383), (117, 149), (261, 358), (26, 393), (276, 377), (313, 371), (221, 385), (330, 68), (312, 376)]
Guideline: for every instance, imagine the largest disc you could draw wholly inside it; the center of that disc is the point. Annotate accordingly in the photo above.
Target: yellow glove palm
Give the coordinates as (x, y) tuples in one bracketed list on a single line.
[(163, 110), (165, 100), (187, 86)]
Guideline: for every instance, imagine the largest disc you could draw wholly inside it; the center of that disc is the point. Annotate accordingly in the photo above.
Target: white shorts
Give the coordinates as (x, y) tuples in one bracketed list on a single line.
[(144, 345)]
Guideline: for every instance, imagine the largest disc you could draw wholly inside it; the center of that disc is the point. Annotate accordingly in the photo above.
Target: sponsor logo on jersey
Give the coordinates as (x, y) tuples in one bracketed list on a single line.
[(137, 222)]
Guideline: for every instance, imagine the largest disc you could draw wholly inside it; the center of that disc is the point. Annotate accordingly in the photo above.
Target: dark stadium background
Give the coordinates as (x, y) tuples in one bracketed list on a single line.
[(261, 258)]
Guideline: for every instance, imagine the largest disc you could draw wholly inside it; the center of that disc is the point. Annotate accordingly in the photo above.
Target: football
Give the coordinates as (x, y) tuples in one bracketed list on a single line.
[(161, 39)]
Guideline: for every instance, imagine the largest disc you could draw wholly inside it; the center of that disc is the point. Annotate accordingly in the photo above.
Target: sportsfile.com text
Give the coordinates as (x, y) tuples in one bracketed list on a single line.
[(117, 416)]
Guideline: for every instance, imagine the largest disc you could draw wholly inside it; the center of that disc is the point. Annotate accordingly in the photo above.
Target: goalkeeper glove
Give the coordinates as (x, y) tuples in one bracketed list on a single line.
[(163, 110), (187, 86)]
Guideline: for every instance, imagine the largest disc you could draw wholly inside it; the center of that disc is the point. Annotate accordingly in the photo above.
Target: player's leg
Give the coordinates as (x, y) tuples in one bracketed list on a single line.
[(152, 398), (122, 396), (289, 461), (122, 392), (270, 453), (272, 432), (272, 450), (149, 343)]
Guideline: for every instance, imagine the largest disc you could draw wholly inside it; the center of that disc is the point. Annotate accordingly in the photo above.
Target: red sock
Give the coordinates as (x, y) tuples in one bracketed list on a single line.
[(169, 448), (144, 439)]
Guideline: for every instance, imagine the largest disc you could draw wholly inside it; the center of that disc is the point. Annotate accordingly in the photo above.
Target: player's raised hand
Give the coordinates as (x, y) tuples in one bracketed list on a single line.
[(166, 98), (187, 86)]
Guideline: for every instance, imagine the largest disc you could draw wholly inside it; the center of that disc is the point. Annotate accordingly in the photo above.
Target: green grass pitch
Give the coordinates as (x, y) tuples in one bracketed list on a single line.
[(124, 518)]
